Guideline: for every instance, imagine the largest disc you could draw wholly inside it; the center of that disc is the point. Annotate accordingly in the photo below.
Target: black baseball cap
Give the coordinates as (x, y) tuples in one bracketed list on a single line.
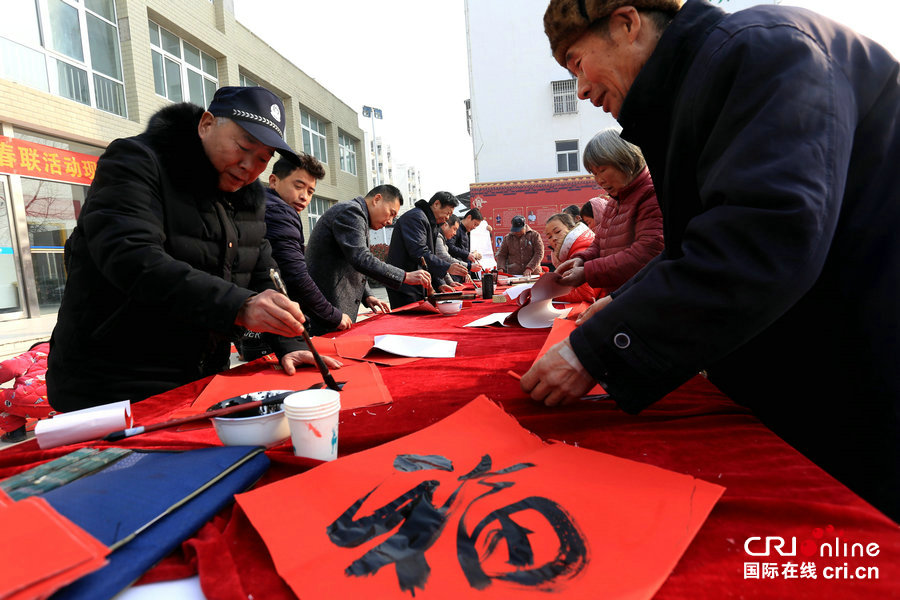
[(518, 224), (258, 111)]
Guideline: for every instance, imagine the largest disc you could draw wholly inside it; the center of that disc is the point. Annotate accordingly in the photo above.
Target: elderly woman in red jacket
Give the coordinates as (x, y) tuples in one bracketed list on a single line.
[(567, 238), (629, 229)]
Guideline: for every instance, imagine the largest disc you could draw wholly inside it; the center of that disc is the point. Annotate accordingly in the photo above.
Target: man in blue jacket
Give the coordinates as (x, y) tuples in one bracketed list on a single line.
[(459, 244), (413, 241), (772, 136), (291, 188)]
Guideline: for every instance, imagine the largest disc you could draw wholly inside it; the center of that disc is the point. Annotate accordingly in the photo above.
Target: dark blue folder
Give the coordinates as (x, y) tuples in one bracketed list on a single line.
[(146, 504)]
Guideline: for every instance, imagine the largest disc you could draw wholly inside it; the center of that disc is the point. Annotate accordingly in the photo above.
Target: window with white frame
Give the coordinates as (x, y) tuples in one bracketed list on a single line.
[(317, 208), (69, 48), (565, 100), (348, 153), (567, 156), (181, 71), (247, 82), (314, 140)]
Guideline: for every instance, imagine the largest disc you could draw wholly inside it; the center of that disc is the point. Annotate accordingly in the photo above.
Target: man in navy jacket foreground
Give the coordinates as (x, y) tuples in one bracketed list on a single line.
[(291, 188), (772, 136)]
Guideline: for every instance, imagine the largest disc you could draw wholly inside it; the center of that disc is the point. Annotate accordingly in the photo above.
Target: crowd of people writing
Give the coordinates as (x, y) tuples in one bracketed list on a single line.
[(746, 229)]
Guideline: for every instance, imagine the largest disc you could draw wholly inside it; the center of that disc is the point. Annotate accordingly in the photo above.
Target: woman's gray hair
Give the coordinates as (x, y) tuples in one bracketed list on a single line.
[(608, 148)]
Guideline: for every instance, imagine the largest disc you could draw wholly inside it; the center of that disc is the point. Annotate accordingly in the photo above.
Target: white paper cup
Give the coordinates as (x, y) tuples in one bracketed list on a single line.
[(313, 419)]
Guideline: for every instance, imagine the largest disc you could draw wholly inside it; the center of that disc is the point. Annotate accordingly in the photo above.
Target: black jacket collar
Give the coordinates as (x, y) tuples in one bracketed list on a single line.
[(646, 113), (172, 133), (429, 214)]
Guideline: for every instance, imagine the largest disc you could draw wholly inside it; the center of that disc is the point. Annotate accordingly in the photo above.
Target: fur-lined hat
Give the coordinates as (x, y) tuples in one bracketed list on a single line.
[(566, 20)]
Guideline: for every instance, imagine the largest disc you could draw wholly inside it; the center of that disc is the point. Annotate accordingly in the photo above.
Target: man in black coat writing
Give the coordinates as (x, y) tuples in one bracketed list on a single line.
[(413, 242), (168, 261)]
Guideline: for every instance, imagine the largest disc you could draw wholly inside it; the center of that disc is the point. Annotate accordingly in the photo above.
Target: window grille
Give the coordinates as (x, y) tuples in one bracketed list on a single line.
[(565, 100)]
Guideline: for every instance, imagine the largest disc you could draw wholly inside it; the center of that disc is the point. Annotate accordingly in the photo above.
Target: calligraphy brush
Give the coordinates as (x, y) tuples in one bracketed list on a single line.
[(469, 277), (115, 436), (323, 368), (429, 291), (459, 295)]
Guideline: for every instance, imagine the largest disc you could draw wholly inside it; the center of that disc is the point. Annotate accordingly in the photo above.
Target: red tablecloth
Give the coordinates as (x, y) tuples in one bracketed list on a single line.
[(771, 489)]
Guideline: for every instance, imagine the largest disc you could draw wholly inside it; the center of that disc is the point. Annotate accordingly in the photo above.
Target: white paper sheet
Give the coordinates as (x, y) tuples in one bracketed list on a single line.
[(548, 288), (481, 240), (491, 319), (516, 290), (83, 425), (406, 345), (540, 314), (178, 589), (539, 311), (504, 280)]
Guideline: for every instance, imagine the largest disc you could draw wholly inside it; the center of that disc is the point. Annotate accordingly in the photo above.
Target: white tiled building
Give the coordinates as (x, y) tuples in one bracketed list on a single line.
[(526, 120), (76, 74)]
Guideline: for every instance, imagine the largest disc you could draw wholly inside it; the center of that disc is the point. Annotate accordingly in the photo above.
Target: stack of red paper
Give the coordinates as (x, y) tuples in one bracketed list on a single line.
[(42, 551)]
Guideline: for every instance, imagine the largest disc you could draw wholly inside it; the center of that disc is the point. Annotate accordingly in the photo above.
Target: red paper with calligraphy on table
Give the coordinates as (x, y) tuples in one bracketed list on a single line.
[(476, 502)]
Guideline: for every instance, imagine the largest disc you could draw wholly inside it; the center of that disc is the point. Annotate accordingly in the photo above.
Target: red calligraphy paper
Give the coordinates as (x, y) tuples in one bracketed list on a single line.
[(476, 506), (363, 386), (558, 332), (43, 551), (417, 307), (325, 346), (577, 310)]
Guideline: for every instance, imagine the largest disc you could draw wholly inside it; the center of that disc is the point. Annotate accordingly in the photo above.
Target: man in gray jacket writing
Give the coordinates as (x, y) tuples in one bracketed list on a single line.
[(339, 258)]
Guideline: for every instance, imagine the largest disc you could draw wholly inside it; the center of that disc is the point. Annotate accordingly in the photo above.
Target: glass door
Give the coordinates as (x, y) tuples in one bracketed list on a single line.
[(10, 287), (51, 209)]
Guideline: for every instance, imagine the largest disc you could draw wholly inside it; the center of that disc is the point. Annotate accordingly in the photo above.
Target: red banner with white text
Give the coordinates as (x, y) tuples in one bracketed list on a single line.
[(19, 157)]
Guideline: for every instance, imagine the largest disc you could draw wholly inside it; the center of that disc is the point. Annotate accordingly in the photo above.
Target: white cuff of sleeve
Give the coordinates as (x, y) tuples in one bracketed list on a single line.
[(568, 355)]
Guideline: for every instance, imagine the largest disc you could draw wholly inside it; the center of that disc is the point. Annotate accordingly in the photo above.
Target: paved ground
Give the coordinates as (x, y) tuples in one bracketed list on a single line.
[(17, 336)]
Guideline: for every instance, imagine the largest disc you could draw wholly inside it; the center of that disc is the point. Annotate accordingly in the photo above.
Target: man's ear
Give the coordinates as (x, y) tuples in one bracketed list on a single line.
[(628, 19), (207, 122)]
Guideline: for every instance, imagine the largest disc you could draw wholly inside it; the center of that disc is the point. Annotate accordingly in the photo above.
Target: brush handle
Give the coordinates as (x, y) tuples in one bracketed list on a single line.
[(221, 412), (323, 368), (428, 287), (133, 431)]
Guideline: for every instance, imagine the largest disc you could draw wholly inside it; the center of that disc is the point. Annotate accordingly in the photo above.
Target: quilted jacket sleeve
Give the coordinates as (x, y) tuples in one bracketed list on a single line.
[(645, 226), (124, 233)]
